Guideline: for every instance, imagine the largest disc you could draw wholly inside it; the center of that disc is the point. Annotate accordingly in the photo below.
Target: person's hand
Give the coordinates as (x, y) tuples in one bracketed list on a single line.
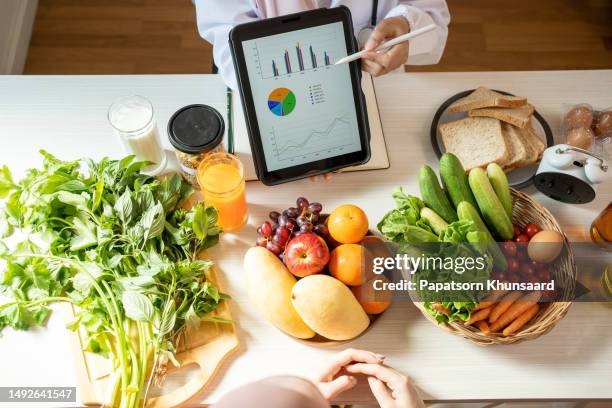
[(380, 63), (390, 388), (332, 381), (326, 177)]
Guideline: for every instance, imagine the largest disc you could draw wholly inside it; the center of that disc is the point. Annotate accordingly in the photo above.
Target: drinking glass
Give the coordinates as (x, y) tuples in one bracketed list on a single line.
[(133, 119), (221, 178), (601, 229)]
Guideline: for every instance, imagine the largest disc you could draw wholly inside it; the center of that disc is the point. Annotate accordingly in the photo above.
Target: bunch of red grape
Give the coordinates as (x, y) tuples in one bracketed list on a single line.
[(303, 218)]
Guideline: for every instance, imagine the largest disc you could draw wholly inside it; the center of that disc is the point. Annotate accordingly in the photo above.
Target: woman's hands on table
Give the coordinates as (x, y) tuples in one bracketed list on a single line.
[(381, 63), (391, 388)]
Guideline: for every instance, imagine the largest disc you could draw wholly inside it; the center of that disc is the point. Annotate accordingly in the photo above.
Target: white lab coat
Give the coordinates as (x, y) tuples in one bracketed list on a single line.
[(217, 17)]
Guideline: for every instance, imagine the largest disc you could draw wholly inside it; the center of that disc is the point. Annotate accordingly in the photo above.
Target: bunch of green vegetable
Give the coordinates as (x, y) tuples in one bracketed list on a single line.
[(118, 245), (452, 215)]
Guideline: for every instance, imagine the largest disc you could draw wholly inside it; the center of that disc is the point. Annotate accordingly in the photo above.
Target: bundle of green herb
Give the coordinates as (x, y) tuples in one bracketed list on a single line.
[(117, 244)]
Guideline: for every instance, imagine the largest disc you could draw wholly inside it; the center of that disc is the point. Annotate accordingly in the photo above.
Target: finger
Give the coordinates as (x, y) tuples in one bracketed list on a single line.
[(372, 67), (348, 356), (314, 178), (332, 389), (383, 373), (327, 176), (381, 392), (386, 29)]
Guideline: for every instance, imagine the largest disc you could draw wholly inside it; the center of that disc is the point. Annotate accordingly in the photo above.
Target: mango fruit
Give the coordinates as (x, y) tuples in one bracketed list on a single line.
[(329, 307), (269, 285)]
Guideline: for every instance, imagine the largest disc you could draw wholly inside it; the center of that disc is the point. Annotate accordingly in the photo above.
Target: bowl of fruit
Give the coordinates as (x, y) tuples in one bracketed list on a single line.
[(309, 273)]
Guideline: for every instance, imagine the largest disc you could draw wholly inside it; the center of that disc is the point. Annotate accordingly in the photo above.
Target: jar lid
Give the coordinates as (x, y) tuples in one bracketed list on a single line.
[(196, 128)]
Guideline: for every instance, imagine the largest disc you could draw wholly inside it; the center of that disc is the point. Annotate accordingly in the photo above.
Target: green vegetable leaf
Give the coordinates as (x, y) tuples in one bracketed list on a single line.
[(153, 221), (85, 233), (6, 228), (98, 192), (6, 182), (137, 306), (124, 207), (200, 222)]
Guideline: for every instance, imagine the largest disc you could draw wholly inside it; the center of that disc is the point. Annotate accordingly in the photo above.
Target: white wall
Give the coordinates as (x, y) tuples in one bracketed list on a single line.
[(16, 21)]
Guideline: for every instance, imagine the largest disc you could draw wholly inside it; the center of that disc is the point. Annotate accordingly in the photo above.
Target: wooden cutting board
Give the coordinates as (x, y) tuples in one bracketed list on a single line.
[(207, 348)]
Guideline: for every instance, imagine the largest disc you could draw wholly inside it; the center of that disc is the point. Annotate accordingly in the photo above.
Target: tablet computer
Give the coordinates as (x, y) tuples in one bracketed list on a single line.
[(305, 116)]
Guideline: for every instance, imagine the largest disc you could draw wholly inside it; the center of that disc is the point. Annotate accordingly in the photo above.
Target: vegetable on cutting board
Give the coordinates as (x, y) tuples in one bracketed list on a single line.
[(119, 246), (490, 206), (499, 181), (433, 195), (437, 224), (455, 180), (466, 211)]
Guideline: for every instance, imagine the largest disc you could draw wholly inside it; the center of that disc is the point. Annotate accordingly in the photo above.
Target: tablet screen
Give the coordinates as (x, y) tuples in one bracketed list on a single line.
[(304, 104)]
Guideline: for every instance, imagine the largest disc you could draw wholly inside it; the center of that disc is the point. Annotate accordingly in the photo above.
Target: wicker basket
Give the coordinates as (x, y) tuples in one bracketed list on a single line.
[(526, 210)]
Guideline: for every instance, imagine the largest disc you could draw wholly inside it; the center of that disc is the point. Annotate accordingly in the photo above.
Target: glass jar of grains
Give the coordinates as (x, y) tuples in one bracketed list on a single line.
[(195, 131)]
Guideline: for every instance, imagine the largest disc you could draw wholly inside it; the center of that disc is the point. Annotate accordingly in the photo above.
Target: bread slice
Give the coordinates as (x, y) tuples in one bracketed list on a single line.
[(515, 116), (519, 153), (475, 141), (486, 98), (536, 141)]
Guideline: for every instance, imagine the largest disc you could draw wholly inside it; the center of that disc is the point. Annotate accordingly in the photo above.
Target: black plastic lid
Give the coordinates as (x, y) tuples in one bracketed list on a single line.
[(196, 128)]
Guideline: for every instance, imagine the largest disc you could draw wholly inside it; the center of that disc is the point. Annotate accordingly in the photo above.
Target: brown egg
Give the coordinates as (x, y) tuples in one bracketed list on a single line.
[(580, 116), (580, 137), (603, 124), (545, 246)]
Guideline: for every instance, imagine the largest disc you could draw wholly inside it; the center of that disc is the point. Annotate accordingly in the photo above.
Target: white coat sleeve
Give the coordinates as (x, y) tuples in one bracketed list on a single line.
[(428, 48), (215, 20)]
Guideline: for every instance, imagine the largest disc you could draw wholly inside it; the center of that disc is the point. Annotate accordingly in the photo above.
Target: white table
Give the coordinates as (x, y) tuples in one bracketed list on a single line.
[(67, 116)]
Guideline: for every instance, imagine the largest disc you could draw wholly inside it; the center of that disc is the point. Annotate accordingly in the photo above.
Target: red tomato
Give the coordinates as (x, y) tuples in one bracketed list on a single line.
[(513, 265), (545, 275), (531, 230), (522, 239), (517, 231), (509, 248), (514, 277), (534, 279), (528, 269)]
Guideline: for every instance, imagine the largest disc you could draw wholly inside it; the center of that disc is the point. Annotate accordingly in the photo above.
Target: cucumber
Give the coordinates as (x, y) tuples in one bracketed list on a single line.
[(499, 181), (466, 211), (436, 222), (433, 196), (491, 208), (455, 181)]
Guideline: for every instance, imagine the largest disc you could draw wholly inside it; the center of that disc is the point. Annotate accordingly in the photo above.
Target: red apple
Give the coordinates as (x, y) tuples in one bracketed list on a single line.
[(306, 254)]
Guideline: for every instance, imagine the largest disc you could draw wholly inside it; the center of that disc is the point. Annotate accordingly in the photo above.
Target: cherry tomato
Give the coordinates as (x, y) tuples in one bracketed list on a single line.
[(545, 275), (522, 239), (514, 277), (534, 279), (509, 248), (517, 230), (531, 229), (528, 269), (513, 266), (501, 277)]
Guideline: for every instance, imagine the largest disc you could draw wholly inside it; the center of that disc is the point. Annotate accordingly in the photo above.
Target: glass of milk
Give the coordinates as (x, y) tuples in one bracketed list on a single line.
[(133, 119)]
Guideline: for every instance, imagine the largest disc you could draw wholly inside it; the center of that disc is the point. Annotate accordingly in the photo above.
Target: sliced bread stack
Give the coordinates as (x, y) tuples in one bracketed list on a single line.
[(498, 130)]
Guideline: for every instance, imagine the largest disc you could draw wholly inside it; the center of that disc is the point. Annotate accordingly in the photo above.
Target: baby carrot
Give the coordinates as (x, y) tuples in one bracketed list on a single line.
[(439, 307), (483, 327), (521, 320), (516, 309), (479, 315), (490, 300), (503, 305)]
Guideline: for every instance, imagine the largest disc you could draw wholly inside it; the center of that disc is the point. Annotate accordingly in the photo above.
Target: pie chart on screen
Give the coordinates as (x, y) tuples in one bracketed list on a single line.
[(281, 101)]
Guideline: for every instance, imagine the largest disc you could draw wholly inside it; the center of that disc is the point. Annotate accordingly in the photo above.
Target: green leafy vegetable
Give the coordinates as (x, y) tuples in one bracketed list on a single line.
[(117, 244)]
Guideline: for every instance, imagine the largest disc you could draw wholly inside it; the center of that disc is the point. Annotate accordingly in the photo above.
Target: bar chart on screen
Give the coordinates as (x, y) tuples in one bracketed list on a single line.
[(292, 55)]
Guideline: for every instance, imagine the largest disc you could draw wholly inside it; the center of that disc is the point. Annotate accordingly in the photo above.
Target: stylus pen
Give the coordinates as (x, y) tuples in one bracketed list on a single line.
[(389, 43)]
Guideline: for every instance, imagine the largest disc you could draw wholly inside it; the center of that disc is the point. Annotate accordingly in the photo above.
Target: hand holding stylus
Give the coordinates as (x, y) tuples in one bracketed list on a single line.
[(387, 49)]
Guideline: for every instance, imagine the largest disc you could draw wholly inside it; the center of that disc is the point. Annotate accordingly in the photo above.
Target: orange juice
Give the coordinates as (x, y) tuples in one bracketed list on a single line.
[(221, 178)]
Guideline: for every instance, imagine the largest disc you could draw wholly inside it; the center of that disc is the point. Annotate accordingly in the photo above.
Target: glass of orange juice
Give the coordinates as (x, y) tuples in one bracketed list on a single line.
[(221, 178)]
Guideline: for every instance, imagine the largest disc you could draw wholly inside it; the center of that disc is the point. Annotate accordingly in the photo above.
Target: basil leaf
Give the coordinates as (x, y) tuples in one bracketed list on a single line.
[(6, 182), (153, 221), (200, 222), (124, 207), (137, 306)]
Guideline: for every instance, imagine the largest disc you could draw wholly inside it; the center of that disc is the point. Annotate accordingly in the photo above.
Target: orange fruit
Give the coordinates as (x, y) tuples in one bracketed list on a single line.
[(371, 300), (350, 264), (348, 224)]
